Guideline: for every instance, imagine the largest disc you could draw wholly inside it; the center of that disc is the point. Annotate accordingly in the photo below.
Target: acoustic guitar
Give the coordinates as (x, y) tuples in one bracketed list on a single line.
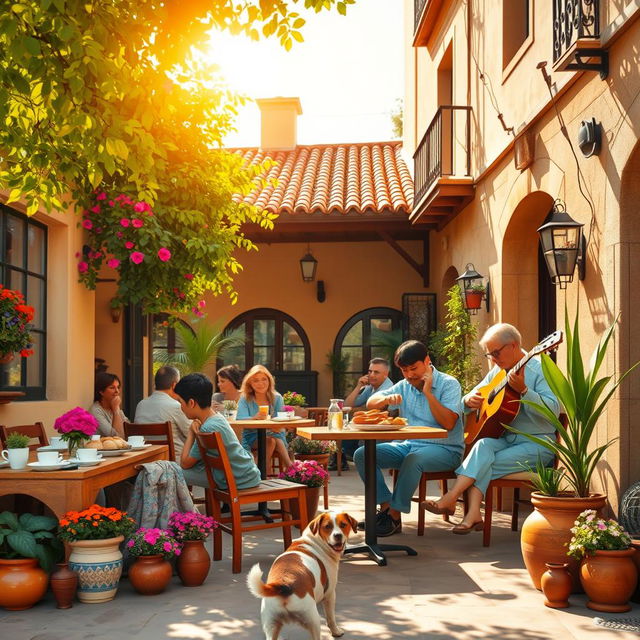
[(500, 402)]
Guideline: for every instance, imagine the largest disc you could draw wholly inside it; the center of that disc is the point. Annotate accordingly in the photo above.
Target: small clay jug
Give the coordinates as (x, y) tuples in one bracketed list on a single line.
[(193, 563), (556, 585), (64, 584)]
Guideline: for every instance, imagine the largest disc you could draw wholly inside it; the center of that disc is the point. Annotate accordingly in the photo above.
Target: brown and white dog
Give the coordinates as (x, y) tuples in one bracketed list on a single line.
[(304, 575)]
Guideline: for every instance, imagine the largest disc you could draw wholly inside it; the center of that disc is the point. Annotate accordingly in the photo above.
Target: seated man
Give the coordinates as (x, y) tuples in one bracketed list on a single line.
[(492, 458), (426, 397), (376, 379), (194, 393), (161, 406)]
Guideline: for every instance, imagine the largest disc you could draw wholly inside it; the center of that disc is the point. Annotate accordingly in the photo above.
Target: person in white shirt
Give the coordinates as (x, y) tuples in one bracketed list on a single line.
[(162, 406)]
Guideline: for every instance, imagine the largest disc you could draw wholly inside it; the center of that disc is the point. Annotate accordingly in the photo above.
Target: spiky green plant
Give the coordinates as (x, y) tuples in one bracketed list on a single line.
[(202, 343), (579, 392)]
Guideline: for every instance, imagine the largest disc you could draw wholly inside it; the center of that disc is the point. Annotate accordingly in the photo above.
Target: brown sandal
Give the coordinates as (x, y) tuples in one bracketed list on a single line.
[(432, 507), (463, 530)]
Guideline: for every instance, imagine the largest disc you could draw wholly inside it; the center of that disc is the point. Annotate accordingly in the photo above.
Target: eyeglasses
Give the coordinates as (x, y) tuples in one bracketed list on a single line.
[(495, 353)]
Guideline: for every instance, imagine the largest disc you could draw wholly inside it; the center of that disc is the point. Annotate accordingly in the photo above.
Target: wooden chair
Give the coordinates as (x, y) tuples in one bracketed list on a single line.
[(320, 414), (155, 432), (236, 523), (34, 431)]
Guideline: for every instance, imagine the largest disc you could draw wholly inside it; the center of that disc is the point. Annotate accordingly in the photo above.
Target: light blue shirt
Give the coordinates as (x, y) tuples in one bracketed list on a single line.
[(415, 407), (249, 408), (368, 391), (528, 419), (245, 471)]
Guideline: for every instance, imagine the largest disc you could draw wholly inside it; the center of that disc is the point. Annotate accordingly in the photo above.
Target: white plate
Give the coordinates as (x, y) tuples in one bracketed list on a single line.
[(377, 427), (141, 447), (50, 447), (113, 452), (276, 419), (86, 463), (39, 466)]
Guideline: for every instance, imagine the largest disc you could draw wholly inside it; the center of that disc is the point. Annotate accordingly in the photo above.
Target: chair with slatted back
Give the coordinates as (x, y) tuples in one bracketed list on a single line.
[(154, 433), (34, 431), (319, 414), (214, 457)]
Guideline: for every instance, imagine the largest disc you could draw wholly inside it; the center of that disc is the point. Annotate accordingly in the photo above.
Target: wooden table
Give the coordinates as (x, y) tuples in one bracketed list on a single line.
[(64, 491), (371, 546)]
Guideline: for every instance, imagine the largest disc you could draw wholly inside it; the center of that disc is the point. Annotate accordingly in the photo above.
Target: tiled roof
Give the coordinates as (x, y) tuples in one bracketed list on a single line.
[(333, 179)]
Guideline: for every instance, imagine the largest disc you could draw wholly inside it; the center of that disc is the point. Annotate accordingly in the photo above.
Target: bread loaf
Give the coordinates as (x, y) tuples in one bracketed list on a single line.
[(122, 444), (93, 444), (109, 443)]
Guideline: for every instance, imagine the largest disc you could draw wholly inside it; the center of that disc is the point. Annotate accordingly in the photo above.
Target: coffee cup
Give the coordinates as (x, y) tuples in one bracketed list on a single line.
[(283, 415), (136, 441), (49, 457), (57, 442), (17, 458), (96, 437), (87, 454)]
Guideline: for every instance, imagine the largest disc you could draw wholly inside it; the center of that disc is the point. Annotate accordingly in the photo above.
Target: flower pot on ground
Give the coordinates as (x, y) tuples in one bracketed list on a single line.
[(17, 451), (312, 498), (64, 584), (635, 543), (151, 572), (192, 529), (584, 397), (556, 585), (22, 583), (312, 474)]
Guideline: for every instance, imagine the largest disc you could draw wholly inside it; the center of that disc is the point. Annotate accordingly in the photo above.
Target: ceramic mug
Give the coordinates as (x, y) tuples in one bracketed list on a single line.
[(49, 457), (87, 454), (136, 441), (17, 458)]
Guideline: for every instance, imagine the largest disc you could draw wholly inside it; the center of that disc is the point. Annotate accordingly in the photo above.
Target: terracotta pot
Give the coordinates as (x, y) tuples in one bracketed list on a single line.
[(193, 563), (98, 564), (64, 584), (547, 530), (320, 458), (6, 358), (609, 578), (556, 585), (22, 583), (312, 495), (636, 558), (150, 575), (473, 299)]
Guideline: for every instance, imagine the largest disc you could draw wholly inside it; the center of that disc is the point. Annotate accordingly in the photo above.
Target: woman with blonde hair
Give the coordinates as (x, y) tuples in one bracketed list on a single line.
[(258, 389)]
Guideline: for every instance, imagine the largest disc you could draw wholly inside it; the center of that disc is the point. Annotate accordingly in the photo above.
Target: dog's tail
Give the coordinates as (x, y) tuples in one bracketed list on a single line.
[(261, 590)]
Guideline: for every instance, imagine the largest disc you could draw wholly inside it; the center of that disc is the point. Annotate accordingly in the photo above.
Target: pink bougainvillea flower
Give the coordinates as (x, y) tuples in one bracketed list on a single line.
[(137, 257), (87, 224), (111, 203), (129, 245), (164, 254), (95, 209), (77, 254), (202, 304), (137, 223), (119, 234), (83, 267), (140, 207), (114, 263), (188, 276), (101, 196), (124, 222)]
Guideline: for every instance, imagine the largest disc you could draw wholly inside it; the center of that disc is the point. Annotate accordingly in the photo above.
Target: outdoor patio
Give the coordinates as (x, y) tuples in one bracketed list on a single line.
[(454, 588)]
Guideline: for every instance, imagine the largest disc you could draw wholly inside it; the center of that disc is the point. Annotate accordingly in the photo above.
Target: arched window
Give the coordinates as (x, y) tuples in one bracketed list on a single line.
[(273, 339), (163, 337), (373, 333)]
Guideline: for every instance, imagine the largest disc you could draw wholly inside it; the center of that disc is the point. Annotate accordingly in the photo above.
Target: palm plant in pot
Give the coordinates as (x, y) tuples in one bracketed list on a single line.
[(584, 396)]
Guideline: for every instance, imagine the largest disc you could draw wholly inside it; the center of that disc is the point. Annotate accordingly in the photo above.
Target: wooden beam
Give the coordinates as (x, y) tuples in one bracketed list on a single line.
[(422, 269)]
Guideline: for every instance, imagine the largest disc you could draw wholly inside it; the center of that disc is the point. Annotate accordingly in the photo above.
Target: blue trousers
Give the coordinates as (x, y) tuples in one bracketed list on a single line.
[(411, 459), (492, 458)]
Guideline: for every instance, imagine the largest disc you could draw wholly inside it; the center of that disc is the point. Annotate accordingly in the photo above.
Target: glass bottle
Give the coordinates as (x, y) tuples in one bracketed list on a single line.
[(334, 416)]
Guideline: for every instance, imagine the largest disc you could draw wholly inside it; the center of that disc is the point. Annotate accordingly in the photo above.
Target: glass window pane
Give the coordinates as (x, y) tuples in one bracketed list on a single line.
[(15, 280), (293, 359), (235, 355), (354, 358), (35, 251), (350, 381), (264, 356), (35, 298), (264, 333), (15, 242), (354, 335), (35, 363), (10, 373), (159, 333), (290, 336)]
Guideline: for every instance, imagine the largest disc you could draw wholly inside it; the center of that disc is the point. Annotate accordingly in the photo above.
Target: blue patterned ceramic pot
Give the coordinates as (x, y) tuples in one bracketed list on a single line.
[(98, 564)]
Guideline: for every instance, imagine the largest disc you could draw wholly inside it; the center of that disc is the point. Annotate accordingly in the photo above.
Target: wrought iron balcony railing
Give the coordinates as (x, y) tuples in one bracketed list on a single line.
[(574, 20), (444, 149)]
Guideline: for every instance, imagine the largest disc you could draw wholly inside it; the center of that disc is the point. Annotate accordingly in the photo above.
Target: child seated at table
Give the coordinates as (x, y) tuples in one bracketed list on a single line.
[(194, 393)]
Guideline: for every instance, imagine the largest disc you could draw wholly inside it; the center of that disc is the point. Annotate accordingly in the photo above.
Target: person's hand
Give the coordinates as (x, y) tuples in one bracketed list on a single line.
[(363, 381), (394, 398), (475, 401), (195, 426), (427, 380), (261, 416), (116, 401), (516, 380)]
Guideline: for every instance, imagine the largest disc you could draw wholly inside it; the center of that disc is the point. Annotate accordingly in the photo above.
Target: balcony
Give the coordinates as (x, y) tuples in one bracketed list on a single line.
[(576, 37), (425, 16), (443, 185)]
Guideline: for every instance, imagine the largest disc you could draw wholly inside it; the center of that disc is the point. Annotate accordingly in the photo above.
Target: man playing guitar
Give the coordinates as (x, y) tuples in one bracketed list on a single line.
[(491, 457)]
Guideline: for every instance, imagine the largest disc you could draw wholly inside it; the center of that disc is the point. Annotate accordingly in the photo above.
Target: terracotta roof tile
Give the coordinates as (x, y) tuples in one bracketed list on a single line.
[(332, 179)]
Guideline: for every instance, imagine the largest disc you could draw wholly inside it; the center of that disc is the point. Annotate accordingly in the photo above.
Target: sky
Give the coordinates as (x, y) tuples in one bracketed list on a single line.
[(348, 74)]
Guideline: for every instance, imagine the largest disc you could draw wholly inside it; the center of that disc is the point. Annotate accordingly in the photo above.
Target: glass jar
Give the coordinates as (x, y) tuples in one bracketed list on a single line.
[(334, 416)]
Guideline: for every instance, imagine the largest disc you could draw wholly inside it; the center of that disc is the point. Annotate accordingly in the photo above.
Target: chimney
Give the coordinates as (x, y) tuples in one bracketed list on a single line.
[(279, 122)]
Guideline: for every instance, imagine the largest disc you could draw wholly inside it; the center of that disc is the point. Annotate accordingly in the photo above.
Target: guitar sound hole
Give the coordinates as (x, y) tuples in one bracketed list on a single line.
[(490, 398)]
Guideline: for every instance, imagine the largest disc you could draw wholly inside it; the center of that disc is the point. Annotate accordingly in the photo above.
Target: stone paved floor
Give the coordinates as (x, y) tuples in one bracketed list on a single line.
[(454, 588)]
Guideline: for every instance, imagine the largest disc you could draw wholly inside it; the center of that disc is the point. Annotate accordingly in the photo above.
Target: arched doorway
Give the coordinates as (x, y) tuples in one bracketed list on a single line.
[(448, 281)]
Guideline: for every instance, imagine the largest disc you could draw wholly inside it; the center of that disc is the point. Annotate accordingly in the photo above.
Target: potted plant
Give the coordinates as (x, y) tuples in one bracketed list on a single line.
[(15, 327), (607, 570), (313, 475), (474, 295), (294, 401), (547, 531), (191, 530), (230, 409), (94, 535), (26, 541), (151, 573), (76, 427), (17, 451), (318, 450)]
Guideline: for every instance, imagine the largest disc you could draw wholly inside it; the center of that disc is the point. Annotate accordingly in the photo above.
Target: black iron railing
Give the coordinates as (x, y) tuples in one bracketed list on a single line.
[(444, 149), (573, 20), (418, 6)]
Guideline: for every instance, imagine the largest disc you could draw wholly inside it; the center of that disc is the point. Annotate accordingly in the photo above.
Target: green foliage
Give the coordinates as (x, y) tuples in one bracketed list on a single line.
[(338, 365), (452, 345), (30, 536), (478, 287), (17, 441), (592, 533), (294, 399), (304, 446), (387, 342), (579, 392), (202, 343), (546, 480)]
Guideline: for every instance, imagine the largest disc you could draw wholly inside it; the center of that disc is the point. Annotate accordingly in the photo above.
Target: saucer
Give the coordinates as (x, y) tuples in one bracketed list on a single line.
[(140, 447), (287, 419), (50, 447), (4, 463), (39, 466), (85, 463)]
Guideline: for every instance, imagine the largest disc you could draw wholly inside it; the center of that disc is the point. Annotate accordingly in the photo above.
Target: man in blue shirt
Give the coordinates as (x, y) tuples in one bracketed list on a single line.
[(426, 397)]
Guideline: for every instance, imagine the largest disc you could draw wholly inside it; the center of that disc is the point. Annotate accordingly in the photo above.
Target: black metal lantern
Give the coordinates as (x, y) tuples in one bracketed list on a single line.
[(563, 245), (308, 265), (473, 293)]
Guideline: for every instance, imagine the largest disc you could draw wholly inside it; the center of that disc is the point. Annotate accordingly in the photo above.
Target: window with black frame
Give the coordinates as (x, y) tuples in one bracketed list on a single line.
[(23, 267)]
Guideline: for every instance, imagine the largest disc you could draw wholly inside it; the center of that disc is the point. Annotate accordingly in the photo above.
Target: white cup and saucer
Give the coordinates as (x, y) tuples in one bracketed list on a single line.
[(136, 442), (87, 457), (49, 461)]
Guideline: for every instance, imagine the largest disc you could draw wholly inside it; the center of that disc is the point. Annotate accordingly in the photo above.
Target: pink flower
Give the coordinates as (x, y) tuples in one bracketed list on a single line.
[(77, 420), (124, 222), (114, 263), (188, 276), (164, 254), (101, 196), (137, 257), (129, 245), (95, 209), (77, 254), (137, 223), (111, 203), (202, 304), (140, 207), (83, 267), (87, 224), (130, 544), (119, 234), (167, 546)]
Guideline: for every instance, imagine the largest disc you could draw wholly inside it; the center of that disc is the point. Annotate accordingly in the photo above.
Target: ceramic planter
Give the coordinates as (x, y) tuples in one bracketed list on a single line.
[(556, 585), (193, 563), (312, 495), (609, 578), (17, 458), (473, 299), (64, 584), (22, 583), (150, 575)]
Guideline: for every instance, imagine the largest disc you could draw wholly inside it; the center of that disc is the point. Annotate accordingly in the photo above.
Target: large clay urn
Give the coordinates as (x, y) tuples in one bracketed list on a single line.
[(547, 530), (609, 579), (22, 583), (150, 575)]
